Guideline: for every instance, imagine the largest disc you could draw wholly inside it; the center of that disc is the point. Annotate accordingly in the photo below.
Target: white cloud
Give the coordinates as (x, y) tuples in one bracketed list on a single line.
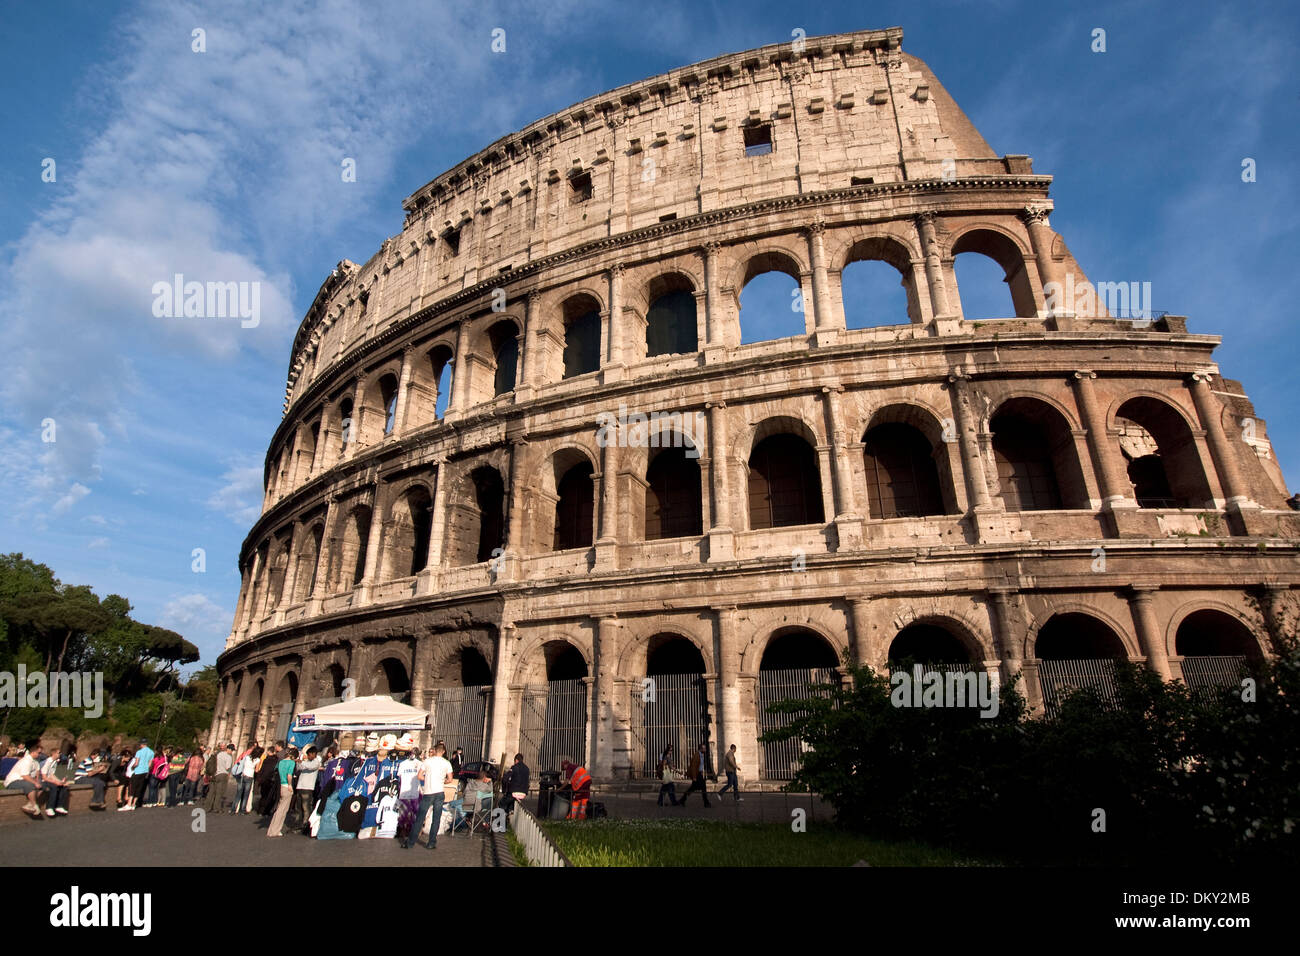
[(70, 498), (97, 543), (240, 495)]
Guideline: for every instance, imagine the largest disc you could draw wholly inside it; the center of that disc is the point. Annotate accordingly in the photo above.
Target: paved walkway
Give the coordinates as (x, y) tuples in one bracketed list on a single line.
[(116, 839)]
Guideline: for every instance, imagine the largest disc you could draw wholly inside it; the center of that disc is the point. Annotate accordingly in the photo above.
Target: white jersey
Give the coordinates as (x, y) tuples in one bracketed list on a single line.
[(386, 817), (408, 772)]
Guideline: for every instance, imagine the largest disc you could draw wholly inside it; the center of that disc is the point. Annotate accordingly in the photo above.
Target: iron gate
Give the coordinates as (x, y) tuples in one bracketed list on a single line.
[(459, 715), (1058, 678), (781, 759), (1206, 674), (553, 723), (671, 710)]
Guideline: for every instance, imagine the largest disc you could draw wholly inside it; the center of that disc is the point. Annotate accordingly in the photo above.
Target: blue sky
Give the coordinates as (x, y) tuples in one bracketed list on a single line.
[(227, 163)]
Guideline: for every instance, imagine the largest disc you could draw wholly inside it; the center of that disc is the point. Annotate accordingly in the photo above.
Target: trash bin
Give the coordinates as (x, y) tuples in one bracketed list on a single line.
[(548, 780), (560, 807)]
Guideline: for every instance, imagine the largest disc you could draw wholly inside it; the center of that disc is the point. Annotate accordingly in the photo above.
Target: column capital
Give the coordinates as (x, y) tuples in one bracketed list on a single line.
[(828, 389), (1036, 213), (1085, 373), (1201, 375), (927, 217), (712, 248), (1141, 592), (616, 270), (815, 228), (718, 405)]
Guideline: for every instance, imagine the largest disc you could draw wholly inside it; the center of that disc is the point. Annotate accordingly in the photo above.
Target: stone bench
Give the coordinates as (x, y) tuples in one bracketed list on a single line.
[(11, 803)]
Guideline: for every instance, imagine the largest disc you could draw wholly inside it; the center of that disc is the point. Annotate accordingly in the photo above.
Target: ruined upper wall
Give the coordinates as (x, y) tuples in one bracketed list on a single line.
[(844, 109)]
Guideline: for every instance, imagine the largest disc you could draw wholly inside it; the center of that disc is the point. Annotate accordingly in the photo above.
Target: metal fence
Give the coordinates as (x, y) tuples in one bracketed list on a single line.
[(1208, 674), (553, 723), (1059, 678), (673, 710), (460, 717), (537, 845), (781, 760)]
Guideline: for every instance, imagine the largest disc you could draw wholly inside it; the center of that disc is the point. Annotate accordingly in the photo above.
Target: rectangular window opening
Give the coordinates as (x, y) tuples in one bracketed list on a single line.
[(581, 186), (668, 218), (861, 181), (758, 139), (453, 241)]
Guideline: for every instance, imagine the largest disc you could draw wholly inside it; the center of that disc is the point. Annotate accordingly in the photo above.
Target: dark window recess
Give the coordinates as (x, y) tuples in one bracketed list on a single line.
[(784, 484), (575, 509), (581, 186), (453, 241), (582, 345), (861, 181), (364, 298), (668, 218), (672, 501), (1025, 471), (902, 479), (758, 139)]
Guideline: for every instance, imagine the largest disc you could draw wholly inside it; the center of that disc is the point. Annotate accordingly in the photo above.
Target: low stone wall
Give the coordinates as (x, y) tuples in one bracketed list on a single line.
[(11, 803)]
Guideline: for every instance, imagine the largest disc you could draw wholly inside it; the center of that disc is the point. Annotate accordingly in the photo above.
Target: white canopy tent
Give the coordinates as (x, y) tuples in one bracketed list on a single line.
[(363, 713)]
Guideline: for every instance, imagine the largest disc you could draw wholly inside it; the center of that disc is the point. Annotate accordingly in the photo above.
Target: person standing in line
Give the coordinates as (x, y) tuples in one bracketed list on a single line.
[(733, 774), (247, 768), (267, 780), (435, 774), (215, 801), (138, 771), (699, 760), (304, 794), (175, 774), (193, 770), (284, 773)]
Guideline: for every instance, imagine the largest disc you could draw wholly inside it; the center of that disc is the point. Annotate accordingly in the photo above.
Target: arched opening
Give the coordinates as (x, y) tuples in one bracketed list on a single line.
[(931, 645), (771, 300), (785, 487), (902, 478), (876, 285), (671, 705), (1034, 451), (407, 552), (1216, 649), (253, 714), (988, 266), (478, 518), (1076, 651), (553, 716), (581, 335), (673, 506), (334, 677), (388, 397), (345, 425), (351, 565), (308, 562), (441, 368), (504, 339), (796, 665), (276, 573), (671, 327), (1160, 450), (286, 704), (390, 678), (575, 508), (307, 451), (460, 710)]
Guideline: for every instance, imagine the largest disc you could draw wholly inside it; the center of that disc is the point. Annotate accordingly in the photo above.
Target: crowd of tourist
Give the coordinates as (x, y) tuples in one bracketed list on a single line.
[(362, 786)]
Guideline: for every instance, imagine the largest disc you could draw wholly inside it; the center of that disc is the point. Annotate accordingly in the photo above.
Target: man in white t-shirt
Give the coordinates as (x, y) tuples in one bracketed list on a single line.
[(25, 775), (434, 773)]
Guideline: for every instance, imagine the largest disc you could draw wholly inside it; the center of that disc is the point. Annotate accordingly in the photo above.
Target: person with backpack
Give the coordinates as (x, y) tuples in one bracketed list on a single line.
[(157, 776), (193, 773), (175, 774), (217, 769), (242, 775)]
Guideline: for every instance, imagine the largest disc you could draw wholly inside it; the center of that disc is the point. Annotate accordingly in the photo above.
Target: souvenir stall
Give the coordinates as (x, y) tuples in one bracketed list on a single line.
[(370, 789)]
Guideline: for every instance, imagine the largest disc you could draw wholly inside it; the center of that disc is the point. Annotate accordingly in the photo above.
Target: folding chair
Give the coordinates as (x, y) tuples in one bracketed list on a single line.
[(482, 812)]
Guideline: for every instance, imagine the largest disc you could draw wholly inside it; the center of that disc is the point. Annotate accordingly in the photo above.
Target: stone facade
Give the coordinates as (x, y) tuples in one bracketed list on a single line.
[(447, 507)]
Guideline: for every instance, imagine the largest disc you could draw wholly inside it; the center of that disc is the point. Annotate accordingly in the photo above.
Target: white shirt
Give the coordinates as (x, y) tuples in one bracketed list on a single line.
[(407, 772), (435, 772), (29, 766)]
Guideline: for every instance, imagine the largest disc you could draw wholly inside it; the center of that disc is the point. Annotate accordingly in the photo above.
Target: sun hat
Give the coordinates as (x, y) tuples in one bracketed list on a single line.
[(406, 742), (372, 743), (388, 742)]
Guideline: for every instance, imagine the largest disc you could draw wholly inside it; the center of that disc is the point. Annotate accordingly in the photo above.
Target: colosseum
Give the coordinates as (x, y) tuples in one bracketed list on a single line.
[(538, 475)]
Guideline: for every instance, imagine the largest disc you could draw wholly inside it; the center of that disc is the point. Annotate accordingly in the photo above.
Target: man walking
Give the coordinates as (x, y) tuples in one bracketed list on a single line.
[(516, 781), (220, 779), (733, 775), (433, 776), (699, 760)]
